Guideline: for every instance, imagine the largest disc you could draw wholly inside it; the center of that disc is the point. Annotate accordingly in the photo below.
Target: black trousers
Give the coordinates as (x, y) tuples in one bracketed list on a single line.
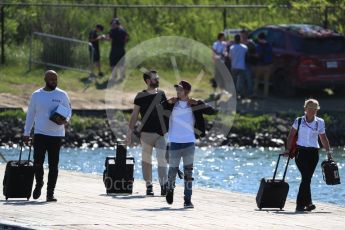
[(306, 161), (52, 145)]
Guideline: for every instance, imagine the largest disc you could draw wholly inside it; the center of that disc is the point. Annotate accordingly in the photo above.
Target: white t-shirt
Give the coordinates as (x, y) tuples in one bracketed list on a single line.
[(181, 124), (308, 132), (219, 47), (41, 105), (238, 56)]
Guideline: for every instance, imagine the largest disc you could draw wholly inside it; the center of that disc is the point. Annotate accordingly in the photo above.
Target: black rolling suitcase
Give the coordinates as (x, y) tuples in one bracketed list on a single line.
[(273, 192), (118, 176), (19, 177), (330, 172)]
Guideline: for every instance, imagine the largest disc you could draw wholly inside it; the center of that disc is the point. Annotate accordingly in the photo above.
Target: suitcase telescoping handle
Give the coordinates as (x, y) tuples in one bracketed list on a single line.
[(21, 150), (287, 164)]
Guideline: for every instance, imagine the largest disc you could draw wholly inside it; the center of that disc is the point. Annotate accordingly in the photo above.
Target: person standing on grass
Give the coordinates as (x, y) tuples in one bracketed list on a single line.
[(310, 128), (237, 55), (219, 55), (95, 55), (186, 123), (118, 37), (152, 130), (263, 68), (250, 62), (47, 134)]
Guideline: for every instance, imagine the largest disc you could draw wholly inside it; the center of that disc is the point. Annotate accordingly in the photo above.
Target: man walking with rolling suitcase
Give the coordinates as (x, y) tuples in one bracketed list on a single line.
[(49, 111)]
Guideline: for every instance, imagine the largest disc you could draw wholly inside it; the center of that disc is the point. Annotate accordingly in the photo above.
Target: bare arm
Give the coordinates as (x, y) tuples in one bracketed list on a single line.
[(325, 144), (107, 37), (100, 37), (132, 121), (292, 133)]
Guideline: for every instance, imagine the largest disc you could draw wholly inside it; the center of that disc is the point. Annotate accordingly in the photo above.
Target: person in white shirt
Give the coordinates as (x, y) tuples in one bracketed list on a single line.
[(186, 123), (309, 127), (48, 134), (237, 55), (219, 47), (219, 55)]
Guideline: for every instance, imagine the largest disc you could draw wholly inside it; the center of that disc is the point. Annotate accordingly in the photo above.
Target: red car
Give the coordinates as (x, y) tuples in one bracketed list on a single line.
[(305, 57)]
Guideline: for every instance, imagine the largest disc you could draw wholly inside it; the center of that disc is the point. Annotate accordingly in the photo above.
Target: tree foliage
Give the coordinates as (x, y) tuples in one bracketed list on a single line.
[(144, 23)]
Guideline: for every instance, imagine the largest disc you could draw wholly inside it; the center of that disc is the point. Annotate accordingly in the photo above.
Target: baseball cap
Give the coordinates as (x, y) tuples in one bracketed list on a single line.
[(115, 21), (184, 85)]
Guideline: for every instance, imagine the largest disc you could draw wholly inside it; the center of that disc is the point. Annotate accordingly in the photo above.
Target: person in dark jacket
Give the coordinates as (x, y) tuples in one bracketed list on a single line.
[(186, 124), (263, 66), (94, 39), (118, 37)]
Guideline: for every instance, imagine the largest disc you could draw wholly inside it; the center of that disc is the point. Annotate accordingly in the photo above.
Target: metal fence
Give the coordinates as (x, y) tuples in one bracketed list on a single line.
[(61, 52)]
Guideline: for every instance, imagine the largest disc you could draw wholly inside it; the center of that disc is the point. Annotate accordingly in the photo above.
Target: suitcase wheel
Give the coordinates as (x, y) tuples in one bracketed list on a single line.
[(28, 198), (6, 198)]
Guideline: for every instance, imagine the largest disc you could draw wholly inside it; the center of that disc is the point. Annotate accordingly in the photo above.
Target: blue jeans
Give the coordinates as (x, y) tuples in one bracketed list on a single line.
[(186, 152), (244, 76)]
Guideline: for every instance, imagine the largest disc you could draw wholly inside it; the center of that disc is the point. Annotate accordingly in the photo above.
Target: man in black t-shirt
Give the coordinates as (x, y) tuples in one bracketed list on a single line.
[(94, 52), (152, 129), (118, 37)]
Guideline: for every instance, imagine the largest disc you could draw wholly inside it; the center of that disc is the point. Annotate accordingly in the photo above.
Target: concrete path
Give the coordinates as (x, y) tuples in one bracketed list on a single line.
[(82, 204)]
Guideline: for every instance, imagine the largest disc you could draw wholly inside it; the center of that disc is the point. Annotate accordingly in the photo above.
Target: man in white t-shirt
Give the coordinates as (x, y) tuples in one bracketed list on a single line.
[(237, 55), (48, 132), (186, 124), (219, 55)]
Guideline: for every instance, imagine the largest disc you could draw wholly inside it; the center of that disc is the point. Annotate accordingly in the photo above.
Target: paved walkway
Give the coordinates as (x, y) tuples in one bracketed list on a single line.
[(83, 204)]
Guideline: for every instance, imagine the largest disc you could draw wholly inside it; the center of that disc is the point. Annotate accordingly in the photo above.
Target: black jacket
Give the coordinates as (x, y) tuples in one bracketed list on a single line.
[(199, 109)]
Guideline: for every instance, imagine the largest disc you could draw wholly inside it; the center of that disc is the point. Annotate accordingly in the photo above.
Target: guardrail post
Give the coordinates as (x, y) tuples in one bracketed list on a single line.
[(30, 53)]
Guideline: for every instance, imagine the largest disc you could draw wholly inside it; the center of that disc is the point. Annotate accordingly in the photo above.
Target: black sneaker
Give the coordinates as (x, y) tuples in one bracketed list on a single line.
[(37, 192), (188, 204), (149, 191), (51, 199), (310, 207), (170, 196), (300, 208), (163, 190)]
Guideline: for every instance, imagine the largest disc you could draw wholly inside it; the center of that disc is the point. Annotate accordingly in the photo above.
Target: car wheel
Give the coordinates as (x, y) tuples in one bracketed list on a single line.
[(283, 85)]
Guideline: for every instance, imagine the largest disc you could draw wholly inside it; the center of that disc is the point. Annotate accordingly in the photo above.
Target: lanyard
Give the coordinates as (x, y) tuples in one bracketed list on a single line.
[(317, 125)]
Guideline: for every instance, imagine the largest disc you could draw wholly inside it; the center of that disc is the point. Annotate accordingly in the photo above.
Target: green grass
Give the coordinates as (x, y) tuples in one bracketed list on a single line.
[(15, 77), (17, 80), (12, 114), (252, 123), (80, 124)]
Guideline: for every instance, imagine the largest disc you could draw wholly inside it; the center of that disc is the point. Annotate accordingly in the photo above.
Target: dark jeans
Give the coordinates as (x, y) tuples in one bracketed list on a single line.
[(306, 162), (43, 144), (186, 152)]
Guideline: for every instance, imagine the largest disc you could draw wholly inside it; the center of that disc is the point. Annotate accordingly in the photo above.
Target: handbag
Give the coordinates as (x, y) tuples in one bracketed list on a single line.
[(330, 172)]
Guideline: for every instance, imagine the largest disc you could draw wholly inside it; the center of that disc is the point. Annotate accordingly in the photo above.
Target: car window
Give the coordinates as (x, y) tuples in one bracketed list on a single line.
[(255, 34), (325, 45), (277, 39)]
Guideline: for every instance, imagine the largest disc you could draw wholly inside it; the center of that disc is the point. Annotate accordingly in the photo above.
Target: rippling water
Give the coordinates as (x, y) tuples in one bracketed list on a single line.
[(234, 169)]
